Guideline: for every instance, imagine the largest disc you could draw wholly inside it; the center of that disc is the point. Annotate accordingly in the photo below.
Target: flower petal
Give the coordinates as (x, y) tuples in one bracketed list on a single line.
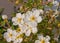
[(39, 19), (34, 30), (47, 38), (40, 37), (4, 17), (28, 32), (18, 15), (9, 39), (20, 40), (37, 41)]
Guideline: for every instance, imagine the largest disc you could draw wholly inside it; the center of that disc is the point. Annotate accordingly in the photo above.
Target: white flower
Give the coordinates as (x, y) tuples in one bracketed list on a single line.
[(23, 28), (18, 19), (4, 17), (20, 29), (41, 11), (18, 38), (8, 35), (33, 17), (56, 38), (13, 35), (56, 3), (14, 20), (30, 30), (42, 39)]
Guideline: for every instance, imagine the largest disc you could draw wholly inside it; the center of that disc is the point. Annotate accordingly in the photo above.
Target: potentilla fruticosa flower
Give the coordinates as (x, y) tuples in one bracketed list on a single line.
[(42, 39), (4, 17), (18, 19)]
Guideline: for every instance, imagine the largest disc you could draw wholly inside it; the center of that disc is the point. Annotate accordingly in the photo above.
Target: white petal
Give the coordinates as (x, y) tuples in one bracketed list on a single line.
[(14, 41), (47, 38), (13, 38), (28, 13), (34, 30), (37, 41), (5, 35), (47, 42), (14, 19), (36, 13), (27, 16), (15, 24), (40, 37), (20, 40), (23, 15), (14, 32), (56, 38), (9, 30), (28, 32), (26, 19), (8, 39), (4, 17), (24, 28), (41, 11), (39, 19), (18, 15), (32, 24)]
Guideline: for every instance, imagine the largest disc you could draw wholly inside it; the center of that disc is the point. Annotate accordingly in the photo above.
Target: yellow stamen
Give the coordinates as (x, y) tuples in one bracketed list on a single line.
[(32, 18), (17, 2), (18, 30), (42, 41), (59, 25), (10, 35), (19, 20), (19, 36)]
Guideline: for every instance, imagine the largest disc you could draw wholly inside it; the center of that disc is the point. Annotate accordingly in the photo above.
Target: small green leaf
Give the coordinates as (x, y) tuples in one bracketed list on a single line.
[(3, 23), (1, 10)]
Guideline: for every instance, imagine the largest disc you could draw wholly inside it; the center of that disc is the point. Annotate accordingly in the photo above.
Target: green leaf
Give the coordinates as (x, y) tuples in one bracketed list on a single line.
[(1, 10), (0, 18), (2, 41), (3, 23), (30, 1), (13, 14), (40, 7), (50, 4)]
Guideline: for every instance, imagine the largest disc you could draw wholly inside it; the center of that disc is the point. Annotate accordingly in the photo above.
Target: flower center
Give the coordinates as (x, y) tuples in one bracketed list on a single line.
[(18, 30), (42, 41), (19, 36), (32, 18), (19, 20), (10, 35)]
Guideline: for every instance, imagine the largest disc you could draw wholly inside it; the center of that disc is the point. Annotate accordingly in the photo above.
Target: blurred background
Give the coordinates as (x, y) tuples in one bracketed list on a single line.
[(8, 7)]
